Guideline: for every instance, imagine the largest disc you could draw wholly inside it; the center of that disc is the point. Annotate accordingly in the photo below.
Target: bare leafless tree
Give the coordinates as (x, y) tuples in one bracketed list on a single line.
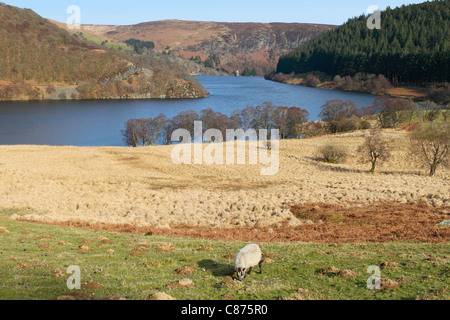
[(132, 132), (374, 149), (432, 141)]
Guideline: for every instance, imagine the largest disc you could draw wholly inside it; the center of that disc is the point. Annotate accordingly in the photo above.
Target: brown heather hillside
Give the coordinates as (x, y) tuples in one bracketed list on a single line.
[(237, 45), (42, 61)]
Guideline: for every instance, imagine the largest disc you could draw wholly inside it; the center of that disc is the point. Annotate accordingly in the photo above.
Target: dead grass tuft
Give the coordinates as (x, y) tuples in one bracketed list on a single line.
[(186, 270), (3, 230), (388, 284), (92, 286), (181, 284)]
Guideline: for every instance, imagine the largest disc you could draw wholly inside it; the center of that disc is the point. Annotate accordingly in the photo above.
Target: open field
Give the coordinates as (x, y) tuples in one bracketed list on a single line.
[(131, 220), (35, 258), (143, 187)]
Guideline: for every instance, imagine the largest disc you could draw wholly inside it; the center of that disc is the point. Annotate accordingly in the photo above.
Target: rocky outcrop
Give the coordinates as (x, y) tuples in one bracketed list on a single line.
[(134, 84)]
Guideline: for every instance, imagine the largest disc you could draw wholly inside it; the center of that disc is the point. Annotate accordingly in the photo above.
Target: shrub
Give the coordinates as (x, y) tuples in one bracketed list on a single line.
[(428, 111), (365, 125), (440, 95), (333, 154), (51, 89), (378, 85), (312, 129), (338, 80), (312, 81), (344, 125)]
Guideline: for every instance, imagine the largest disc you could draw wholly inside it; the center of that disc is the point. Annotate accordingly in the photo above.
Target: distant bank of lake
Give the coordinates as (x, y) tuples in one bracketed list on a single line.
[(98, 123)]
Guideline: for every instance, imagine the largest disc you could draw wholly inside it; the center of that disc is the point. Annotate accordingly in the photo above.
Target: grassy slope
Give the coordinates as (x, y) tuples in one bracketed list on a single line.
[(26, 270)]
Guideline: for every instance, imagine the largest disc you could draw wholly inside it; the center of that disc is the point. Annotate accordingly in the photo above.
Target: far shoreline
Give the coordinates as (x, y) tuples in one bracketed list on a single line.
[(399, 91)]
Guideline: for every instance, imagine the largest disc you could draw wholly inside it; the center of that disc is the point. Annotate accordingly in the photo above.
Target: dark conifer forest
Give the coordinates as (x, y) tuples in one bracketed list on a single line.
[(412, 47)]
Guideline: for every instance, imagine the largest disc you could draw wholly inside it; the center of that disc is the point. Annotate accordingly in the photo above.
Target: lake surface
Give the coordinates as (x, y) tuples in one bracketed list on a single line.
[(98, 123)]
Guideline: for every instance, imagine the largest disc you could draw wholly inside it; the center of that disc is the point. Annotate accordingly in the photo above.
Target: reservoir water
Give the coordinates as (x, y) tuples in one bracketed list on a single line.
[(98, 123)]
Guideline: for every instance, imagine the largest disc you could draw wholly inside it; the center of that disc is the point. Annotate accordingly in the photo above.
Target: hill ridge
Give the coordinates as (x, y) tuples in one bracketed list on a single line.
[(45, 62), (251, 46)]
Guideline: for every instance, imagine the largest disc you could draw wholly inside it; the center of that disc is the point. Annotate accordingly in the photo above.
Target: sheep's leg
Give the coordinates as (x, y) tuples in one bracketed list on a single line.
[(250, 271), (260, 267)]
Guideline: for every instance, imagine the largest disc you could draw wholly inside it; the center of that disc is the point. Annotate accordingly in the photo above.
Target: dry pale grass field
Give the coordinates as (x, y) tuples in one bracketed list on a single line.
[(143, 188)]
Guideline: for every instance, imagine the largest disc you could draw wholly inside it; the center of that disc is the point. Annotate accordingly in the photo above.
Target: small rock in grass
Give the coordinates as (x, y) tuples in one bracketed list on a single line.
[(3, 230), (161, 296), (84, 249), (59, 274)]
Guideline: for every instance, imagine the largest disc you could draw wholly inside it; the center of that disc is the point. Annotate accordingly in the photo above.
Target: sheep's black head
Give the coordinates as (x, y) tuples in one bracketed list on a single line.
[(241, 273)]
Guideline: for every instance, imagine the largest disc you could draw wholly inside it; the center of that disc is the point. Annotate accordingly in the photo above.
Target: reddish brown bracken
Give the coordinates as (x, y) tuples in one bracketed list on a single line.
[(380, 222)]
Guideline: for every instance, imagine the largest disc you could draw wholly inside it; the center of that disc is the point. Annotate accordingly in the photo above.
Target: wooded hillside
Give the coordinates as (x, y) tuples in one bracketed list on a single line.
[(413, 46)]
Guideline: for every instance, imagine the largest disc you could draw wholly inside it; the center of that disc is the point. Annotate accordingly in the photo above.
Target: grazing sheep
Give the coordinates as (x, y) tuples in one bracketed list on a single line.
[(246, 259)]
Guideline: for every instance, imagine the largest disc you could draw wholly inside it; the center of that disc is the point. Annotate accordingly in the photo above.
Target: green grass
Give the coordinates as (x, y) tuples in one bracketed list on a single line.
[(108, 42), (294, 266), (405, 118)]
